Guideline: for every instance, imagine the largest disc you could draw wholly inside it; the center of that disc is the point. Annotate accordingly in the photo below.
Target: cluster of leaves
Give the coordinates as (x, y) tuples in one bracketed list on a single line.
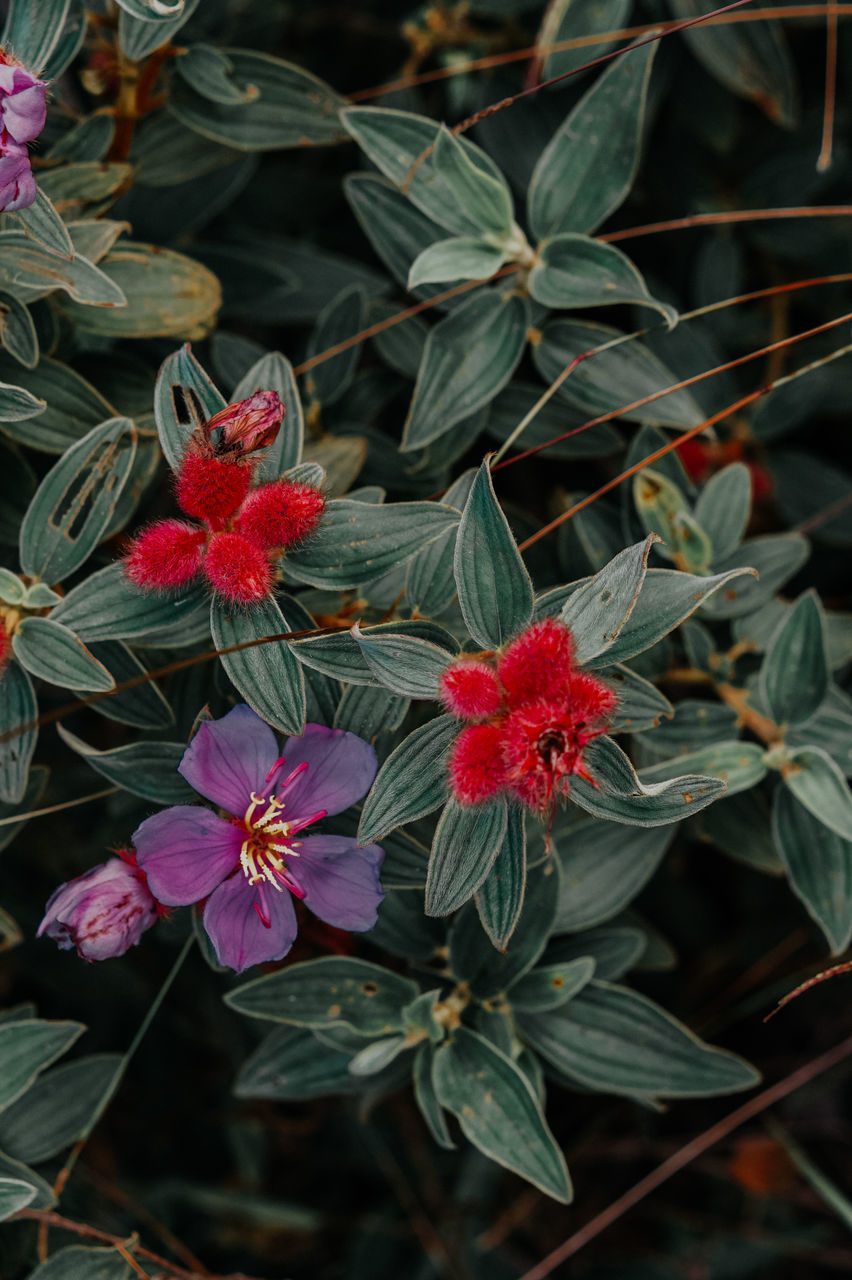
[(498, 959)]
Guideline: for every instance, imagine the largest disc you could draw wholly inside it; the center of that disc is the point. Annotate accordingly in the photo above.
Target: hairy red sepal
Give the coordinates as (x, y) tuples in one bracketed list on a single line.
[(470, 690), (237, 568), (164, 556), (280, 514)]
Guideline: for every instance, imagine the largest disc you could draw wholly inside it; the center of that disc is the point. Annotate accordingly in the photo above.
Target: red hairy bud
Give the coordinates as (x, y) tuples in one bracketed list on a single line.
[(537, 663), (237, 569), (247, 425), (165, 556), (476, 767), (211, 488), (280, 514), (470, 690)]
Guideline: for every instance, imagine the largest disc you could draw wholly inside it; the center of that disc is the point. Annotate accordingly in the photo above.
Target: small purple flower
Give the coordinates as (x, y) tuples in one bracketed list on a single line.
[(251, 859), (102, 913), (22, 102), (17, 184)]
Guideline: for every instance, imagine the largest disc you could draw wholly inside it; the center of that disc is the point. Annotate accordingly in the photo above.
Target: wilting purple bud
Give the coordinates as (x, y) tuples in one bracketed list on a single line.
[(17, 184), (247, 425), (102, 913), (22, 104)]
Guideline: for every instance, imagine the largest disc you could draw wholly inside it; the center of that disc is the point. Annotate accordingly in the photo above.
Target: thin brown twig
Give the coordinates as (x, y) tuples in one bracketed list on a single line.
[(716, 1133), (824, 158)]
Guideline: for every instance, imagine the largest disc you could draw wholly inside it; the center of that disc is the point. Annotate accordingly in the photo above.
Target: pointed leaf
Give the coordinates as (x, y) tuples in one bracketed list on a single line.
[(26, 1048), (723, 508), (587, 169), (412, 781), (467, 841), (462, 258), (598, 611), (602, 871), (500, 899), (740, 765), (147, 769), (495, 591), (551, 985), (794, 678), (52, 652), (404, 664), (817, 783), (498, 1111), (17, 708), (269, 676), (184, 398), (618, 795), (576, 271), (106, 606), (819, 866)]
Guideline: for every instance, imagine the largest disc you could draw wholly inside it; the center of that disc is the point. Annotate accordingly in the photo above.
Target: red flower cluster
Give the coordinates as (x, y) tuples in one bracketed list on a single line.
[(242, 529), (534, 714)]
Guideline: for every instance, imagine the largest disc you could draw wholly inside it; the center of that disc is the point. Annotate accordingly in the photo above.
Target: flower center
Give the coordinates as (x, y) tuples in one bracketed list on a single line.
[(267, 844)]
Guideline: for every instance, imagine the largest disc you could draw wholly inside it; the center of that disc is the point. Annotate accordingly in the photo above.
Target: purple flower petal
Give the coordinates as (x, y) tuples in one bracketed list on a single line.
[(340, 881), (236, 930), (17, 184), (185, 852), (229, 758), (22, 103), (341, 769)]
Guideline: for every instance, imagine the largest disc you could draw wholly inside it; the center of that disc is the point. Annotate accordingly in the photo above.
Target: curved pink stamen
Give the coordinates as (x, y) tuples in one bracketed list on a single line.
[(306, 822)]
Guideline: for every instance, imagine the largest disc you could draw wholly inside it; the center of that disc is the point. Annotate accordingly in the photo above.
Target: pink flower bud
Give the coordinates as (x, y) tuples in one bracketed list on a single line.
[(247, 425), (102, 913), (22, 104)]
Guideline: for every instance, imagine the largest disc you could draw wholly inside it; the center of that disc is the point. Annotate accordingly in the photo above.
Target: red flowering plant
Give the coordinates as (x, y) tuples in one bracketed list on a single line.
[(530, 705)]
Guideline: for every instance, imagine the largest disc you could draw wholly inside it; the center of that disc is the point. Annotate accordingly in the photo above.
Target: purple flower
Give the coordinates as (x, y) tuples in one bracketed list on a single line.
[(17, 184), (102, 913), (22, 102), (251, 859)]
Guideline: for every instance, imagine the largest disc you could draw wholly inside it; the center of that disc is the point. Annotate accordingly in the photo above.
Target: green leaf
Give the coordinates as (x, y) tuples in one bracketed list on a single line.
[(17, 404), (462, 258), (622, 371), (395, 141), (500, 899), (598, 611), (723, 508), (612, 1039), (818, 863), (772, 559), (140, 36), (14, 1195), (830, 728), (495, 591), (57, 1108), (817, 783), (184, 398), (490, 972), (208, 72), (551, 985), (43, 224), (467, 841), (569, 19), (18, 332), (794, 678), (498, 1111), (640, 703), (52, 652), (355, 540), (602, 871), (614, 949), (469, 357), (73, 405), (291, 1065), (694, 721), (143, 706), (404, 664), (44, 1197), (273, 372), (26, 1048), (147, 769), (664, 510), (587, 168), (340, 656), (397, 230), (286, 106), (78, 1262), (752, 61), (33, 41), (411, 782), (618, 795), (485, 199), (576, 271), (427, 1099), (168, 295), (32, 794), (158, 11), (740, 827), (269, 676), (330, 992), (666, 599), (74, 187), (106, 606), (740, 765), (75, 501), (17, 707), (31, 272)]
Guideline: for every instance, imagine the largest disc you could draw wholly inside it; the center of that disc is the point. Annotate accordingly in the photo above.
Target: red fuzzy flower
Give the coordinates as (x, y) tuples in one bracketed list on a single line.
[(470, 690), (540, 714), (241, 528)]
